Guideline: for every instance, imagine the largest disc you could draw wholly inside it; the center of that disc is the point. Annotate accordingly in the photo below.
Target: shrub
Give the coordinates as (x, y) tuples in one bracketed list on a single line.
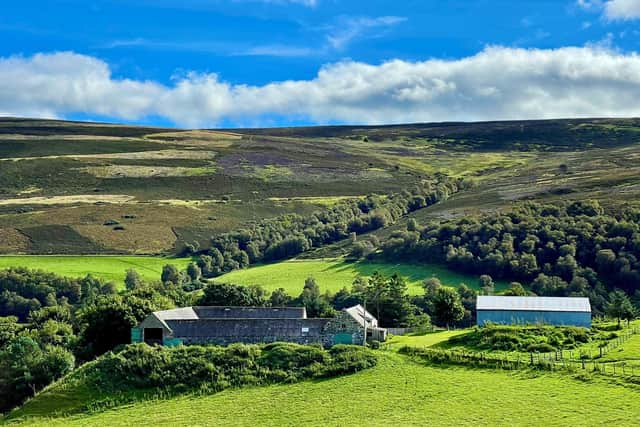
[(523, 338), (140, 366), (540, 348)]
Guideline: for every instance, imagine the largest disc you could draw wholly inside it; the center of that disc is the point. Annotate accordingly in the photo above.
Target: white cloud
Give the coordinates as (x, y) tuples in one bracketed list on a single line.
[(349, 29), (496, 83), (613, 10), (622, 9), (589, 5), (337, 38)]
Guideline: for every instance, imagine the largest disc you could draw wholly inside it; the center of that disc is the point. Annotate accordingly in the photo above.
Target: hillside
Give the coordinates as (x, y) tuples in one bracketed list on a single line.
[(397, 391), (79, 188)]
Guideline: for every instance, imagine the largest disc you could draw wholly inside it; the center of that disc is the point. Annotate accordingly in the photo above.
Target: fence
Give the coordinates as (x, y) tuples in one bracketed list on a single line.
[(570, 360), (399, 331)]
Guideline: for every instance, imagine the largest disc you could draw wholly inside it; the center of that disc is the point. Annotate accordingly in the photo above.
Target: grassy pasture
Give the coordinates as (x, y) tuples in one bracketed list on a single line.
[(424, 340), (628, 352), (111, 268), (398, 391), (334, 274)]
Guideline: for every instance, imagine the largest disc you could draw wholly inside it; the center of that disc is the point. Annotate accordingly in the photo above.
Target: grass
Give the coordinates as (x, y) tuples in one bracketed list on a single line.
[(111, 268), (396, 392), (628, 352), (334, 274), (424, 340)]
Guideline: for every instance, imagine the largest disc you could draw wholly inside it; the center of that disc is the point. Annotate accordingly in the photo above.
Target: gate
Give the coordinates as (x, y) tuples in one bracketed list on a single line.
[(342, 339)]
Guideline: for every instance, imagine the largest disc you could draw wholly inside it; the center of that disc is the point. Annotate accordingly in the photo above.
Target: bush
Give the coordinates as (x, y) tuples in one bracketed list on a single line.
[(540, 348), (140, 366), (523, 338), (287, 356)]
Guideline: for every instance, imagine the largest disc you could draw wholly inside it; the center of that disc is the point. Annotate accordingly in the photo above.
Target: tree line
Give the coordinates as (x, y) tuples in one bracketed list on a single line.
[(288, 235), (568, 249)]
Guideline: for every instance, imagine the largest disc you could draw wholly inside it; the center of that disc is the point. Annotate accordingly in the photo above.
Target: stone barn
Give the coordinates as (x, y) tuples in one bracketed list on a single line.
[(558, 311), (226, 325)]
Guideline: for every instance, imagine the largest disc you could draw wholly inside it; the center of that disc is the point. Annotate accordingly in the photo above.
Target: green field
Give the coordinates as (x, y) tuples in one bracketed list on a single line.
[(334, 274), (110, 268), (423, 340), (628, 352), (398, 391)]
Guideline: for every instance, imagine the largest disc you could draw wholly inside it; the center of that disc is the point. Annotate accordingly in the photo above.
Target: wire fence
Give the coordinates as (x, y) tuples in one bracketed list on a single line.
[(586, 359)]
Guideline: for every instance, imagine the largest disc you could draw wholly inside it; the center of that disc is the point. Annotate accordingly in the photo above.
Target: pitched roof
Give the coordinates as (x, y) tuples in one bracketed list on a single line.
[(176, 313), (359, 314), (216, 312), (567, 304)]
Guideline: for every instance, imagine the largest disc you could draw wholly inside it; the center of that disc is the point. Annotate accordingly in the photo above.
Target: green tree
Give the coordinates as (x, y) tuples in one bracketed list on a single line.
[(222, 294), (619, 306), (280, 298), (9, 329), (447, 306), (193, 272), (375, 292), (345, 299), (397, 309), (52, 332), (132, 279), (431, 285), (486, 284), (516, 290), (171, 274), (107, 322), (315, 304), (26, 367)]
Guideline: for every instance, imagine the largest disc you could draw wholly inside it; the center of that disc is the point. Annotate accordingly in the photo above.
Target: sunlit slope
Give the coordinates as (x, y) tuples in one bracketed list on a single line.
[(397, 392)]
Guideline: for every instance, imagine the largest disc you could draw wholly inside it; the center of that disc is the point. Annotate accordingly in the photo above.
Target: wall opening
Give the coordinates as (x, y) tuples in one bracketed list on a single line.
[(153, 336)]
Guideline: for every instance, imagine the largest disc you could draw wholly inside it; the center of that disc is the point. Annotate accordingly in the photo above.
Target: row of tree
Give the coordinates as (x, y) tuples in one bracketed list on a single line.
[(289, 235), (571, 249)]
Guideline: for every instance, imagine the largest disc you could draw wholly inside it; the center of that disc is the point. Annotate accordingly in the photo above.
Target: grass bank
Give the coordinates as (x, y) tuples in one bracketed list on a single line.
[(111, 268), (334, 274), (398, 391)]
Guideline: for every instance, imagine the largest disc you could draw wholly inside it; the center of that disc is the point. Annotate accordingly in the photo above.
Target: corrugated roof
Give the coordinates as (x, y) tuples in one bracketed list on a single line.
[(184, 313), (571, 304), (220, 312)]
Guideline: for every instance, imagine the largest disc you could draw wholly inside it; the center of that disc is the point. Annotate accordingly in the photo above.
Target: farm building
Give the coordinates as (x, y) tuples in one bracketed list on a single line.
[(534, 310), (226, 325)]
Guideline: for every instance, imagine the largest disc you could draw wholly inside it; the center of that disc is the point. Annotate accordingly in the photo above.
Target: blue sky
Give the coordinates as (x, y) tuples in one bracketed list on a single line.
[(291, 62)]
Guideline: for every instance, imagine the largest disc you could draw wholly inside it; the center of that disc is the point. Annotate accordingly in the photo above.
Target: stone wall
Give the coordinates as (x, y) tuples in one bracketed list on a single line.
[(326, 332), (343, 323)]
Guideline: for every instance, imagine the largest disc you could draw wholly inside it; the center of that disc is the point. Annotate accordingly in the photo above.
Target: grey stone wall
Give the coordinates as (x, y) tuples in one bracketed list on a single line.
[(343, 323)]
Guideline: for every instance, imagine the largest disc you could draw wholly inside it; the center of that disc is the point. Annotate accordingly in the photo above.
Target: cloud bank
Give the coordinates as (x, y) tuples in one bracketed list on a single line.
[(622, 9), (613, 10), (496, 83)]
